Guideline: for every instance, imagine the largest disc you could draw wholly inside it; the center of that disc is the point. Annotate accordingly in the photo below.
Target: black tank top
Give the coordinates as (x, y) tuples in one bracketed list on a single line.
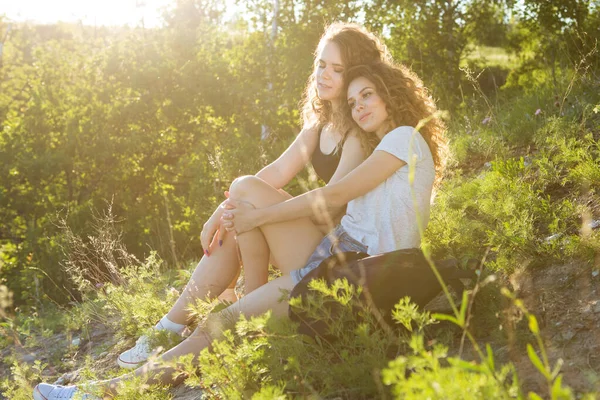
[(325, 164)]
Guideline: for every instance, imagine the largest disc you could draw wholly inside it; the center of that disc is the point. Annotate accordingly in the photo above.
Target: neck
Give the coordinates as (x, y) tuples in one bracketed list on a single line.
[(335, 105), (384, 129), (381, 132)]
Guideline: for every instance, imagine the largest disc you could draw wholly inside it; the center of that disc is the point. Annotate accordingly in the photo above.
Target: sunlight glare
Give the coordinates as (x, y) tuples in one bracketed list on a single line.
[(89, 12)]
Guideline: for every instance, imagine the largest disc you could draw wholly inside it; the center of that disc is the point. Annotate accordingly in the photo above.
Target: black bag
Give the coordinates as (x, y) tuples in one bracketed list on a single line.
[(386, 278)]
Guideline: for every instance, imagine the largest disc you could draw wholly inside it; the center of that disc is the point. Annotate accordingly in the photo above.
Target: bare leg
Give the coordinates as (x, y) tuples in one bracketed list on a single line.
[(290, 242), (258, 302), (229, 293), (255, 251), (222, 266), (218, 271), (212, 275), (255, 260)]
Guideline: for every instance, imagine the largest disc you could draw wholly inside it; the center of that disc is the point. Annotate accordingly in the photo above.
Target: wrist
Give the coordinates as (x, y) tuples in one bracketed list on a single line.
[(260, 217)]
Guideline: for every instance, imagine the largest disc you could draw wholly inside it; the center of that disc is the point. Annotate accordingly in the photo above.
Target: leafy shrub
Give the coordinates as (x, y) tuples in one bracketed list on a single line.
[(499, 209), (20, 386), (264, 356), (430, 373), (267, 354), (132, 307)]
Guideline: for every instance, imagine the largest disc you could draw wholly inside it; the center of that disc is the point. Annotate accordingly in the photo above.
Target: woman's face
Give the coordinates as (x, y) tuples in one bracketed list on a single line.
[(329, 72), (368, 108)]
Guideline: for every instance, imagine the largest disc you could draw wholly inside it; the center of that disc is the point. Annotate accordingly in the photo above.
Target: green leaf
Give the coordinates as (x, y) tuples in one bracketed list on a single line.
[(519, 304), (490, 356), (563, 393), (466, 365), (533, 396), (462, 316), (536, 361), (445, 317), (507, 293), (533, 325), (557, 388)]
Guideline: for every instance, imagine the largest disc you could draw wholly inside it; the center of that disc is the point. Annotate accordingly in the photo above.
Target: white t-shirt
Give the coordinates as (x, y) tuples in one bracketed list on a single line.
[(385, 219)]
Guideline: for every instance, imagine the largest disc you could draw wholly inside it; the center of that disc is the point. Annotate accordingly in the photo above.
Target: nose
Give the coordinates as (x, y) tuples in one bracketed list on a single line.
[(325, 73)]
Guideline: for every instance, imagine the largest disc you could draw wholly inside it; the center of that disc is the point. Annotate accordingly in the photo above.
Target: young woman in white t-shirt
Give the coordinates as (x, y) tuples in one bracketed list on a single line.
[(386, 196), (389, 194)]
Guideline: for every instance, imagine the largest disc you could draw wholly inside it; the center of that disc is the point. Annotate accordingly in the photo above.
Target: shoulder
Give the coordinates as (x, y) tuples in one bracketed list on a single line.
[(400, 132), (352, 142), (403, 142), (352, 137), (401, 136), (310, 131)]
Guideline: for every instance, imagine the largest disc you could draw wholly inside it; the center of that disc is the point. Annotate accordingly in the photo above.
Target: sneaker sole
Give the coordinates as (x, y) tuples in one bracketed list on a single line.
[(128, 365)]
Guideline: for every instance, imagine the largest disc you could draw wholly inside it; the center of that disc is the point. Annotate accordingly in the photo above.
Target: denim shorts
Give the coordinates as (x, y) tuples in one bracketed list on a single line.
[(336, 241)]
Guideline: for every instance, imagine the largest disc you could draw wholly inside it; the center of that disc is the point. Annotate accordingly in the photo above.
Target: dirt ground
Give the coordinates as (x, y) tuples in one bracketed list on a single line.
[(566, 302)]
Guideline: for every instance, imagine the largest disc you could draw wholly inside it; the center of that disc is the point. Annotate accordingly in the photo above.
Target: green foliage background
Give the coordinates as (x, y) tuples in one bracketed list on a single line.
[(156, 123), (117, 143)]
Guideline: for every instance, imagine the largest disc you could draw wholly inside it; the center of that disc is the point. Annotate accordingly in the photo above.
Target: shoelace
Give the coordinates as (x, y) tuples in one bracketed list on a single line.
[(141, 347), (65, 392)]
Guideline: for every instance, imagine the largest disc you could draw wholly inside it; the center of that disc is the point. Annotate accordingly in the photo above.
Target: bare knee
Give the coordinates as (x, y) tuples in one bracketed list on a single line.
[(242, 186), (255, 191)]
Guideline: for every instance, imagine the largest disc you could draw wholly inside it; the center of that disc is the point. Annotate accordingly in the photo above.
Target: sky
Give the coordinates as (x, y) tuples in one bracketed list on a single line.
[(90, 12)]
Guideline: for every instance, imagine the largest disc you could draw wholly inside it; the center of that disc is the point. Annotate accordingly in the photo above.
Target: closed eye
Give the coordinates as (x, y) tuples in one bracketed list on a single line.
[(337, 68)]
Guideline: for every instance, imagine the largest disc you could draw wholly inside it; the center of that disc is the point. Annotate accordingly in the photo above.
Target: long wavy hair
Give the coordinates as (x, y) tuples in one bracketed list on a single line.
[(357, 46), (408, 102)]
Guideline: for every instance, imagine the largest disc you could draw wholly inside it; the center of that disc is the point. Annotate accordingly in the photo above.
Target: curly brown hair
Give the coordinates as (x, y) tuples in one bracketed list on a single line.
[(408, 102), (357, 46)]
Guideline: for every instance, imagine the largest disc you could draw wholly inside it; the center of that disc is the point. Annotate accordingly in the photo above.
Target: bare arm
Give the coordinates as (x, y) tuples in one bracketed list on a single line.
[(376, 169), (352, 156), (281, 171), (277, 174)]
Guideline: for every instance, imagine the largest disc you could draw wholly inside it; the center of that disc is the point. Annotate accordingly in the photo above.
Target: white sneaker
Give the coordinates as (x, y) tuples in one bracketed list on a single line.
[(137, 355), (46, 391), (141, 352)]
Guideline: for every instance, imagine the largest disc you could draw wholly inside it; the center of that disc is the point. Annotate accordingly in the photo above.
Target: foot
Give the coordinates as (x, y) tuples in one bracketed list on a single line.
[(46, 391), (137, 355), (166, 331)]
